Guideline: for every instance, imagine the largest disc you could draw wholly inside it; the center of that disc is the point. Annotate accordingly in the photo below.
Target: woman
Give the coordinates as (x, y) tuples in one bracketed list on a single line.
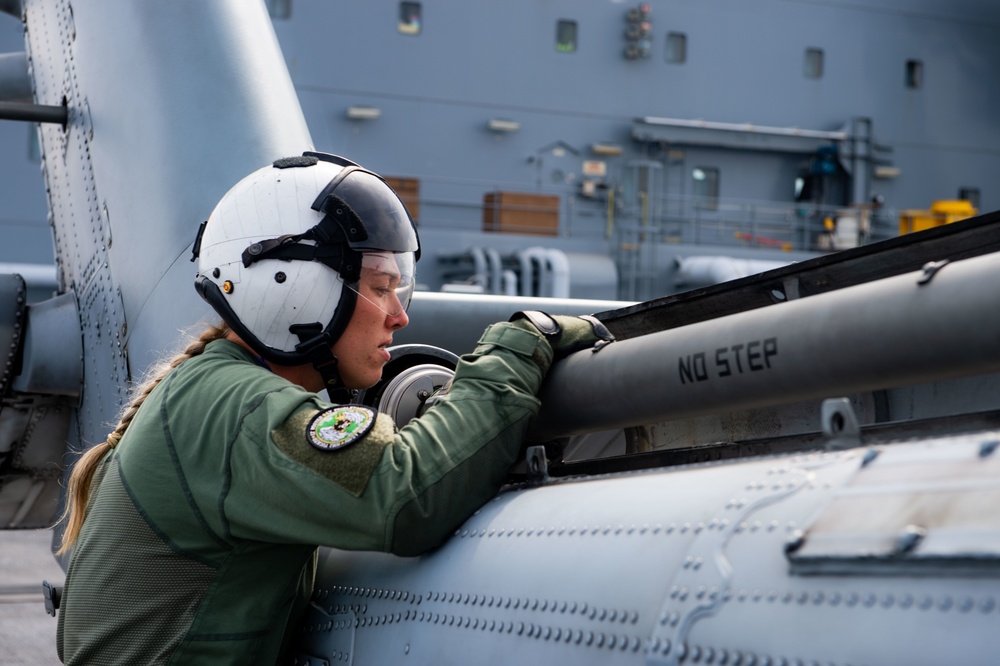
[(193, 529)]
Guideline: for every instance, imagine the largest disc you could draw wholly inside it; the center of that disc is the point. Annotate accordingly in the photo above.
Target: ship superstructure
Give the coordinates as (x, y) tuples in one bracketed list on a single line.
[(622, 142)]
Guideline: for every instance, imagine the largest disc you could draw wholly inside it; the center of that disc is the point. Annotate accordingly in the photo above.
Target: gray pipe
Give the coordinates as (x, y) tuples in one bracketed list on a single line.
[(455, 321), (539, 256), (496, 271), (882, 334), (527, 274), (479, 266), (15, 84), (37, 113)]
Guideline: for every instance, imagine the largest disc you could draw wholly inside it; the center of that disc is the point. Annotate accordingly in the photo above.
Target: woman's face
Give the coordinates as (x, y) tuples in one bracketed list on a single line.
[(361, 350)]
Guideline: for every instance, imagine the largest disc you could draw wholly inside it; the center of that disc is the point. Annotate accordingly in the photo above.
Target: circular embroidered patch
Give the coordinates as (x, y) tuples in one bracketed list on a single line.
[(340, 426)]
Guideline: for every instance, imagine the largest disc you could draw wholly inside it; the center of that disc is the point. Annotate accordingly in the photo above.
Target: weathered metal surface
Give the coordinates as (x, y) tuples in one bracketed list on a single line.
[(670, 566), (887, 333), (909, 510)]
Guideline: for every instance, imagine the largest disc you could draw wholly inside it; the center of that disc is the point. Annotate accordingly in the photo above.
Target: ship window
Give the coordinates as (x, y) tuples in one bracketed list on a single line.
[(814, 63), (706, 187), (566, 36), (676, 47), (409, 18), (279, 9), (914, 74)]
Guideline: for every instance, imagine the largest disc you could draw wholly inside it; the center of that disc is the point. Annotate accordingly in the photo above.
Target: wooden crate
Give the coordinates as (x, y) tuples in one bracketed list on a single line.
[(521, 213), (408, 190)]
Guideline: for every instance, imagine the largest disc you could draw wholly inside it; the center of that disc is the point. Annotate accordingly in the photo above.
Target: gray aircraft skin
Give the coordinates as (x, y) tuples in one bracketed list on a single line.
[(796, 467)]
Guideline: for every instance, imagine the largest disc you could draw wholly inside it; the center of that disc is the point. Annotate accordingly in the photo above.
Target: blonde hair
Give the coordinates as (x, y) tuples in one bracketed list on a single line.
[(78, 490)]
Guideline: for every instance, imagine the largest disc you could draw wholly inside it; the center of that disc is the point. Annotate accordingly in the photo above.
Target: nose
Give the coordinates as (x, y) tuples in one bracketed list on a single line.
[(398, 321)]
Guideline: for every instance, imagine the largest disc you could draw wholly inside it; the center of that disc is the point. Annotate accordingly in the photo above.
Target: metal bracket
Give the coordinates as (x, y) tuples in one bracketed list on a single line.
[(537, 465), (929, 270), (52, 594), (840, 424)]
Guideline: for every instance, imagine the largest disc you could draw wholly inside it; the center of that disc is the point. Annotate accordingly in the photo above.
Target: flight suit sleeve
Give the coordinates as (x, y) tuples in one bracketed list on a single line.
[(398, 490)]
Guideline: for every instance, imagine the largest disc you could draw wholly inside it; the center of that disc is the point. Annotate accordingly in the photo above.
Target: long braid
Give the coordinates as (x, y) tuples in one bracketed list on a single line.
[(78, 492)]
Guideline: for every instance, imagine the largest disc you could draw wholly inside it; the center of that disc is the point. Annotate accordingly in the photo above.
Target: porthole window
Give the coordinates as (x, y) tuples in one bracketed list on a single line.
[(676, 47), (410, 18), (814, 63), (566, 36)]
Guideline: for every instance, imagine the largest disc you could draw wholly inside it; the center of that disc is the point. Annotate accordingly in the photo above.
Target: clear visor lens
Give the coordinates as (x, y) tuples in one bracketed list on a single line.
[(387, 280)]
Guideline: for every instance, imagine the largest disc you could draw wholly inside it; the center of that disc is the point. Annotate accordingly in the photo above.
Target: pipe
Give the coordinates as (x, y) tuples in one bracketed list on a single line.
[(38, 113), (467, 315), (527, 274), (15, 84), (559, 267), (496, 271), (537, 255), (901, 330), (39, 276), (509, 283), (707, 270), (480, 272)]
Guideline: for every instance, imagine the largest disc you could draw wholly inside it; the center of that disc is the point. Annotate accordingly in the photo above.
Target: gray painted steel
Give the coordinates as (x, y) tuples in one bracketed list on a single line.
[(679, 566), (15, 84), (53, 352), (682, 565), (891, 332), (455, 321), (146, 154)]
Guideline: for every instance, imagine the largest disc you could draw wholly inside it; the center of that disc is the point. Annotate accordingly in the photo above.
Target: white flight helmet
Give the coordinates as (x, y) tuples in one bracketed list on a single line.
[(281, 255)]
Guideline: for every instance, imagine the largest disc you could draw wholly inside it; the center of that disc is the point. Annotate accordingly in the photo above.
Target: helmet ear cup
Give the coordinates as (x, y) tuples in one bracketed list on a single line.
[(262, 301)]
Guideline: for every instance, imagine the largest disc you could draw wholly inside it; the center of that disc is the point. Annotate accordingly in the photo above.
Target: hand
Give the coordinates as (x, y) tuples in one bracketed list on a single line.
[(567, 334)]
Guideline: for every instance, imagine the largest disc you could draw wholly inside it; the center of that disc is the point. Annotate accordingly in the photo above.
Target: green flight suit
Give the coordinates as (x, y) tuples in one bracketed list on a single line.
[(199, 545)]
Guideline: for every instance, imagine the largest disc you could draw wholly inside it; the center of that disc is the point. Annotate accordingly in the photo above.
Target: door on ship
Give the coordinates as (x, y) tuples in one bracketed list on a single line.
[(639, 226)]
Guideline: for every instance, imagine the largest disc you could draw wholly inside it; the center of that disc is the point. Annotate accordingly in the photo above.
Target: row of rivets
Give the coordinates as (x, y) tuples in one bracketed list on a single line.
[(771, 485), (368, 592), (851, 599), (518, 603), (316, 661), (709, 655), (359, 609), (604, 530), (532, 630)]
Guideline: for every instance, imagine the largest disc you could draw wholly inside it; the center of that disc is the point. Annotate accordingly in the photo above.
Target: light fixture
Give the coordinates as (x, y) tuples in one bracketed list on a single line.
[(501, 125), (885, 171), (364, 112), (605, 149)]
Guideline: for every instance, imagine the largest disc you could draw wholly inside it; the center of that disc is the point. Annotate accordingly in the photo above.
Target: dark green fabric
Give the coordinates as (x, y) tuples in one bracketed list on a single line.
[(95, 591), (350, 467), (201, 547)]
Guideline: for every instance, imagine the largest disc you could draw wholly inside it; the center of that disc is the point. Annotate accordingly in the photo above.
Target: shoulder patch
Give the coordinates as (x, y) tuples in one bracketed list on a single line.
[(340, 426)]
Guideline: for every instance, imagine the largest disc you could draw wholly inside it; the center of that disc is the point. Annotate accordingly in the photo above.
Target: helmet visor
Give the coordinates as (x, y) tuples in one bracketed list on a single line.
[(387, 281), (385, 218)]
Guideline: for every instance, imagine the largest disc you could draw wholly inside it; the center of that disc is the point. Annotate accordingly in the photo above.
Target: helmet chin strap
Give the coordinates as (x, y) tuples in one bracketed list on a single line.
[(315, 345)]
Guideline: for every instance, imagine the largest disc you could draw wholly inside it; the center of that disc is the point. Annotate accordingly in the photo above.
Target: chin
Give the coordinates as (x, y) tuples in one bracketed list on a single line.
[(360, 384)]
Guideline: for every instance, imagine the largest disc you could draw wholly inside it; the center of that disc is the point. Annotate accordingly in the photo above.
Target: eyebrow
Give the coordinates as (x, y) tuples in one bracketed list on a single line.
[(380, 273)]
